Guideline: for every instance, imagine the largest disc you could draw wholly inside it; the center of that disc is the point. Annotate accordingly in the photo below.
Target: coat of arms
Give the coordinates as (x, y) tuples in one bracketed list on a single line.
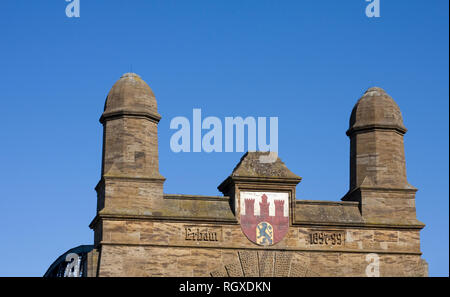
[(264, 216)]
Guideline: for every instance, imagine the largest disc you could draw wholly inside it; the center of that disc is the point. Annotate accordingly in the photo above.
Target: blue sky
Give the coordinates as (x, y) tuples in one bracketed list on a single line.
[(305, 62)]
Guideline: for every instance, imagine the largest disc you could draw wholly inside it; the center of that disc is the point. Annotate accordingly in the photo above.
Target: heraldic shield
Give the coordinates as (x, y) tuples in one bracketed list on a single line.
[(264, 216)]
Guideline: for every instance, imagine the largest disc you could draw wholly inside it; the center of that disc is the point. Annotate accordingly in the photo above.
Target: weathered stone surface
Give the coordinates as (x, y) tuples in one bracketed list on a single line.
[(377, 162), (130, 95), (249, 263), (299, 265), (139, 231), (266, 263), (327, 212), (234, 269), (250, 165), (282, 264)]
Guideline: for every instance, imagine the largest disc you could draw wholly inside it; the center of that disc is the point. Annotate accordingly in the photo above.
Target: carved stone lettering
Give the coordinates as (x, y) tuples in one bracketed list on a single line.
[(266, 262), (249, 262), (298, 270), (234, 270), (282, 264), (326, 237), (195, 233)]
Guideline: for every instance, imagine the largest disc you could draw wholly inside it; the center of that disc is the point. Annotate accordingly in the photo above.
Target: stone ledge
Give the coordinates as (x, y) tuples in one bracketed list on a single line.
[(363, 225), (140, 217), (365, 251), (327, 212), (197, 197), (120, 113)]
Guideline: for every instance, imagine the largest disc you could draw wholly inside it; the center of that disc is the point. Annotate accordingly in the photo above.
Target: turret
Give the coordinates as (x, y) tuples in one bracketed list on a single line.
[(250, 207), (377, 161), (279, 208), (264, 207), (130, 181)]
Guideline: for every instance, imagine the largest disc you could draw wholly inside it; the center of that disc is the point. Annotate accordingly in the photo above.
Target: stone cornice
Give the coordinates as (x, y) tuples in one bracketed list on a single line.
[(113, 114), (126, 217), (322, 202), (359, 225), (274, 248), (372, 127), (197, 197), (129, 178), (407, 189), (209, 220), (230, 180)]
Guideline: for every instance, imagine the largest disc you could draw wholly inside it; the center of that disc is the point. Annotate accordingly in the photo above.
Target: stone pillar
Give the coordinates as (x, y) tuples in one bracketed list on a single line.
[(130, 183), (377, 161)]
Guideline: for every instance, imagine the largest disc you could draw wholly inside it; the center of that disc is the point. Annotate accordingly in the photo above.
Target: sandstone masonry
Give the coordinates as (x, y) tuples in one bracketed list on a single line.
[(140, 231)]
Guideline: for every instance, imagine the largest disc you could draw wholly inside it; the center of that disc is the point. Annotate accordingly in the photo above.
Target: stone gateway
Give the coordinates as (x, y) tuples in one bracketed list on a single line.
[(258, 227)]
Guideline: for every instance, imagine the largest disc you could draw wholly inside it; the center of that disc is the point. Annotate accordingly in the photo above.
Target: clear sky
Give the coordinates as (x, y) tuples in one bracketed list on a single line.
[(305, 62)]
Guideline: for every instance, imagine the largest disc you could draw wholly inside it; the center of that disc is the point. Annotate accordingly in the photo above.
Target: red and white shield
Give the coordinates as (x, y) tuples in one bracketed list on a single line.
[(264, 216)]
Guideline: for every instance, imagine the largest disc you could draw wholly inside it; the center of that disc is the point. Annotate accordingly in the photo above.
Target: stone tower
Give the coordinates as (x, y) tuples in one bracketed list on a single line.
[(258, 227), (377, 161), (130, 183)]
